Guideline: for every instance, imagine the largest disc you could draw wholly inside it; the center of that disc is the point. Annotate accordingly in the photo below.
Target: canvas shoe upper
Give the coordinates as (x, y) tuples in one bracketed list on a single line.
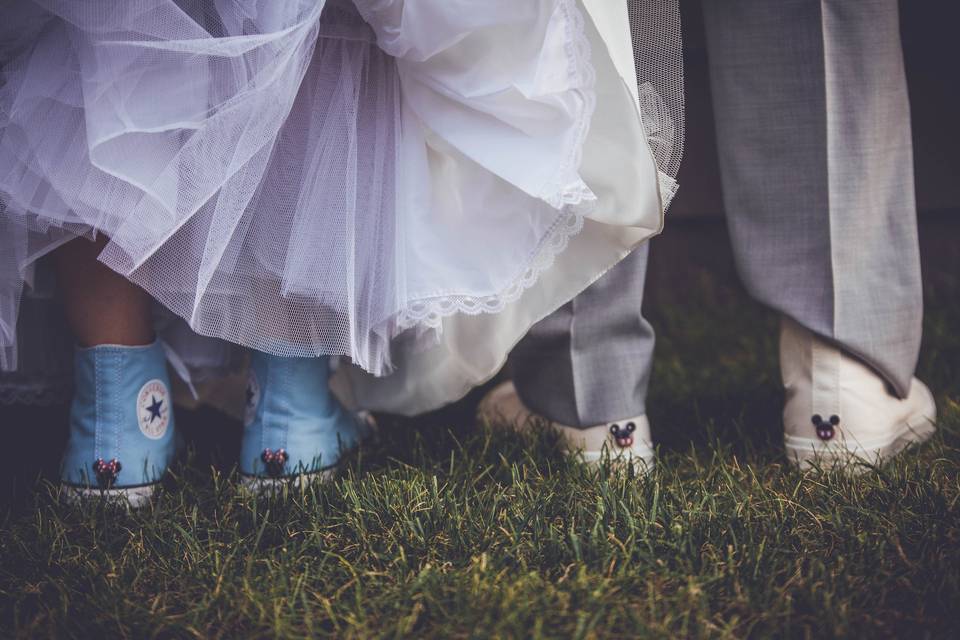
[(121, 422), (625, 440), (839, 410), (293, 424)]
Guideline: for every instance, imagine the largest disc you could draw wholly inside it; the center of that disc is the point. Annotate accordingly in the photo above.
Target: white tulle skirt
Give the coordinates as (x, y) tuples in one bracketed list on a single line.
[(408, 184)]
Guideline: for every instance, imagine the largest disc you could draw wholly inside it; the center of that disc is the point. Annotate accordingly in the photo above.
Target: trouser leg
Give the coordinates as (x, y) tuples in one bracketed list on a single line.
[(589, 363), (813, 128)]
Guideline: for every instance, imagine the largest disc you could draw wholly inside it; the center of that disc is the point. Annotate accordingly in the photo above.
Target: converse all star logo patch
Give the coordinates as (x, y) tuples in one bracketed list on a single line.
[(153, 409), (252, 400)]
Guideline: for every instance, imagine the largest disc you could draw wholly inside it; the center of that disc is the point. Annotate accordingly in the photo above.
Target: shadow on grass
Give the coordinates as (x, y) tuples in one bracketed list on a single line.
[(444, 530)]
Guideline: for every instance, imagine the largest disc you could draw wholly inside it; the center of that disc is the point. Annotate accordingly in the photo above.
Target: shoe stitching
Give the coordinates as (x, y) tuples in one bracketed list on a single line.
[(117, 406), (97, 402)]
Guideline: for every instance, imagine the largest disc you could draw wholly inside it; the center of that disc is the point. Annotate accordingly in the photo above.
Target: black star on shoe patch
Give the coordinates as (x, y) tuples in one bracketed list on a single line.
[(153, 409)]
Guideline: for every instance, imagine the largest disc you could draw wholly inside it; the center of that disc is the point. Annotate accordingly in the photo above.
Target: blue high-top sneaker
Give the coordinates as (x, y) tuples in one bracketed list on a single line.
[(294, 427), (121, 423)]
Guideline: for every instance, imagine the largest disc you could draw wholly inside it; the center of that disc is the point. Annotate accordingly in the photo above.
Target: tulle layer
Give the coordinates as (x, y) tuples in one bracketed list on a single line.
[(340, 177), (248, 168)]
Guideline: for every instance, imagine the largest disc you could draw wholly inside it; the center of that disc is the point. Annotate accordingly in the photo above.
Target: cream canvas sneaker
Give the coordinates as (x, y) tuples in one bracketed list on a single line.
[(839, 411), (624, 441)]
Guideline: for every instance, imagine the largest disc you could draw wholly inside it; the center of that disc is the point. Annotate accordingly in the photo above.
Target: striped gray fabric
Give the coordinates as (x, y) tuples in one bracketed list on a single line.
[(813, 127)]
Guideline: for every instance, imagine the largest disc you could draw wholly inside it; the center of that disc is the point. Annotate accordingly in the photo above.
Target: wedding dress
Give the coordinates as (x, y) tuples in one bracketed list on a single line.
[(408, 183)]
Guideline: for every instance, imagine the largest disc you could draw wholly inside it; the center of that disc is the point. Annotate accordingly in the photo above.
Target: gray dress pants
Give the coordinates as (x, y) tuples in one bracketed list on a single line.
[(813, 130)]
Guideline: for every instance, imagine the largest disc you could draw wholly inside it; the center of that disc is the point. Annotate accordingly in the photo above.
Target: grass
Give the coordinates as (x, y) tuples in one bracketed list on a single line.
[(446, 530)]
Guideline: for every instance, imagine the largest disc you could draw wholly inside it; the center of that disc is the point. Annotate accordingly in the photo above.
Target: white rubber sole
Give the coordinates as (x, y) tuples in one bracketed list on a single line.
[(262, 485), (135, 497), (642, 459), (271, 486), (808, 452)]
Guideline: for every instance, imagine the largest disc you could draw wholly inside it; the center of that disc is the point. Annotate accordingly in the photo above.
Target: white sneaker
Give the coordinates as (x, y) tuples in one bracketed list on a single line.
[(625, 441), (838, 410)]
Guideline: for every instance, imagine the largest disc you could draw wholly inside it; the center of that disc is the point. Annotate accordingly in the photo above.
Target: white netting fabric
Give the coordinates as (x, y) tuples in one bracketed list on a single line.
[(309, 177), (658, 48)]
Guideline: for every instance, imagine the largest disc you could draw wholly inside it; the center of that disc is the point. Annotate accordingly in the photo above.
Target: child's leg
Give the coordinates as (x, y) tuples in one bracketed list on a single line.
[(102, 306), (121, 419)]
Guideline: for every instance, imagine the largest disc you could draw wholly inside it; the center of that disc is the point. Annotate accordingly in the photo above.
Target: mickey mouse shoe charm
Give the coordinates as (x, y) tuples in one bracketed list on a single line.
[(623, 436), (826, 429)]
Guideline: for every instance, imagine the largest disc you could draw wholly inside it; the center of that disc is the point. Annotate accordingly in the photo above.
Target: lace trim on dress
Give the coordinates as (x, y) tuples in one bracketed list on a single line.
[(430, 313), (571, 198), (567, 188)]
